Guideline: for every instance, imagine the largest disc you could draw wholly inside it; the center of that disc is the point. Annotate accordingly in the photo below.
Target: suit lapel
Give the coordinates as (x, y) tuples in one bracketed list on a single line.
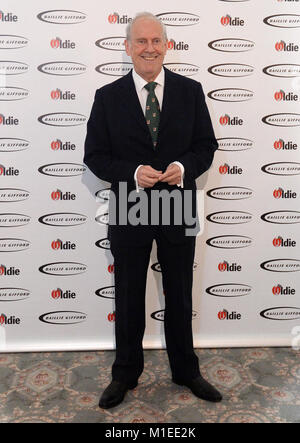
[(169, 101)]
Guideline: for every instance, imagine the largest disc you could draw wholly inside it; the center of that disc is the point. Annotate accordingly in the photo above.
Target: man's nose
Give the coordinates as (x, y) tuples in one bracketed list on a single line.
[(149, 46)]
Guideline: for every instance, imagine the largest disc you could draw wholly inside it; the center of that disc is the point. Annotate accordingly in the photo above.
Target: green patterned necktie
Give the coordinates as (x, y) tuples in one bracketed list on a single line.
[(152, 112)]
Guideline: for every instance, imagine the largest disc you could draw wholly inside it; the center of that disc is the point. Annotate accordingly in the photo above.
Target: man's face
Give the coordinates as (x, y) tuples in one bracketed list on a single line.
[(147, 48)]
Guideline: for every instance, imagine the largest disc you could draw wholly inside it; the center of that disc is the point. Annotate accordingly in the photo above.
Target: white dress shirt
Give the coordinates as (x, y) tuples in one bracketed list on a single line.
[(142, 93)]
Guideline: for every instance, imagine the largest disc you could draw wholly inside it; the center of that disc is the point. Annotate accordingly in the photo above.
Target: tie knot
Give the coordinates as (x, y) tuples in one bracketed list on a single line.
[(151, 86)]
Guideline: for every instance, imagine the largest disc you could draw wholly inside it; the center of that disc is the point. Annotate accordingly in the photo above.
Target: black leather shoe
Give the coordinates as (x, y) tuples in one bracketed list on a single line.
[(201, 388), (114, 393)]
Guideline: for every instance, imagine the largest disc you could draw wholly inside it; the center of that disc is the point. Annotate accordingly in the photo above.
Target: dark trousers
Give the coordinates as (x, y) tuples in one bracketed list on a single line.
[(131, 266)]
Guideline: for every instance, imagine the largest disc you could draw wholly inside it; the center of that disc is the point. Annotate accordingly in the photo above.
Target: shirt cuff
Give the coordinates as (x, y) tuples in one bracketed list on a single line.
[(180, 185), (135, 179)]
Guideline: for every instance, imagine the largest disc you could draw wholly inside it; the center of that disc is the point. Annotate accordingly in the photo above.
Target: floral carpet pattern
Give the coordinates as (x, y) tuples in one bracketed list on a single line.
[(259, 385)]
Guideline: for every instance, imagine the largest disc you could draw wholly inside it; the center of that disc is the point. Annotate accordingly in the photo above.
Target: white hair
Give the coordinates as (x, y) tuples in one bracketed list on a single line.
[(149, 16)]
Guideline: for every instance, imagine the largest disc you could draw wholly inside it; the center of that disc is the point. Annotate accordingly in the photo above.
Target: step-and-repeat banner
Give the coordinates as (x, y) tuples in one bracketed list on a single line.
[(56, 268)]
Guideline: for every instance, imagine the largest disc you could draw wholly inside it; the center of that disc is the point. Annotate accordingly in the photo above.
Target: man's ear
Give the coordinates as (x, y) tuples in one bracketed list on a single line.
[(127, 47)]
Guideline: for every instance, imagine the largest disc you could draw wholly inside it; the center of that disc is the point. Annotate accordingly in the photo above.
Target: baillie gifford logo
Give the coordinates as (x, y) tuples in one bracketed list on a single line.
[(280, 242), (287, 146), (225, 315), (281, 193), (282, 46), (57, 43), (115, 18)]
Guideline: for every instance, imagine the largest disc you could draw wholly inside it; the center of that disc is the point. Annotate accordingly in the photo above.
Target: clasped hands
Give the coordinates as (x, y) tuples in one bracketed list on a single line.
[(147, 176)]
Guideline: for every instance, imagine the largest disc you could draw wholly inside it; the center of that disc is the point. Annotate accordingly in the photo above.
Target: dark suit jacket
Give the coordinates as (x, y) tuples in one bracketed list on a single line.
[(118, 141)]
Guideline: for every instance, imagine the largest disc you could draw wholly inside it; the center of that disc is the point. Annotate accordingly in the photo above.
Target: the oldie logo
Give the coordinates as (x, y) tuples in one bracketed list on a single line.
[(227, 20), (13, 144), (12, 41), (11, 67), (58, 293), (230, 193), (282, 46), (63, 317), (10, 220), (62, 169), (283, 20), (62, 17), (229, 241), (225, 315), (282, 168), (160, 315), (62, 68), (8, 121), (178, 18), (281, 265), (285, 96), (282, 217), (288, 146), (227, 169), (58, 43), (115, 18), (234, 144), (231, 95), (8, 17), (9, 195), (229, 290), (12, 320), (281, 193), (58, 145), (58, 94), (60, 245), (9, 171), (62, 119), (280, 290), (63, 219), (283, 70), (226, 120), (104, 243), (111, 43), (177, 46), (283, 243), (13, 294), (226, 267), (231, 70), (287, 120), (281, 313), (230, 217), (63, 268), (12, 93), (106, 292), (65, 196), (185, 69), (9, 272), (116, 69), (231, 45), (13, 244)]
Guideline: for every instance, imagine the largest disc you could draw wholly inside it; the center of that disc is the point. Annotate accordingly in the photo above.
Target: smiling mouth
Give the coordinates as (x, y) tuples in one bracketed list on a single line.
[(149, 58)]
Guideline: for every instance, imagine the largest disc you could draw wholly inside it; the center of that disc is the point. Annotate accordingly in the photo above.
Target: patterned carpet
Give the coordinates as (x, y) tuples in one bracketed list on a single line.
[(258, 385)]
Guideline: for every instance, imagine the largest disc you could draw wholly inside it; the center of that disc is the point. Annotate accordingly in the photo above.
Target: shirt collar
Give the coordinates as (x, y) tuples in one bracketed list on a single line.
[(140, 82)]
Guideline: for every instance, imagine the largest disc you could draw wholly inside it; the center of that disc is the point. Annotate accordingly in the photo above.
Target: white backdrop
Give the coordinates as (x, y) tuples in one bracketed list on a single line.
[(56, 269)]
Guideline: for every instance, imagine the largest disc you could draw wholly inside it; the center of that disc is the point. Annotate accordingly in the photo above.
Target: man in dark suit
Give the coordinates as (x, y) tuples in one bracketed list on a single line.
[(150, 133)]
